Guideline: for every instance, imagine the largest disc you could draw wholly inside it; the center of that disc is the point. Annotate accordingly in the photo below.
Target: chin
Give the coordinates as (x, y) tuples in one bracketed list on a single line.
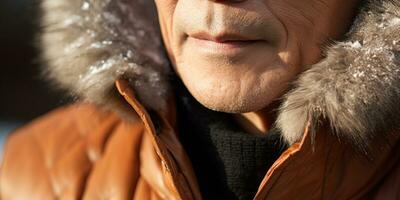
[(235, 87), (233, 103)]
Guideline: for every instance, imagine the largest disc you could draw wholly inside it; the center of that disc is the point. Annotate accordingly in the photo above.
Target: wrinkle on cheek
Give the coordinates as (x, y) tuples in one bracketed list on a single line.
[(165, 12), (300, 20), (280, 21)]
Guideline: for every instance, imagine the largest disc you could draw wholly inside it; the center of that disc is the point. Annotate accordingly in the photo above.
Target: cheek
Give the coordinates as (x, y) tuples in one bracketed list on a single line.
[(301, 19), (313, 23), (165, 10)]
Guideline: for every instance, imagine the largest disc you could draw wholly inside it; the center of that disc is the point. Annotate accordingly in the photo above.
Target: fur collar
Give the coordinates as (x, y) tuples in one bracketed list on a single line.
[(88, 44), (356, 88)]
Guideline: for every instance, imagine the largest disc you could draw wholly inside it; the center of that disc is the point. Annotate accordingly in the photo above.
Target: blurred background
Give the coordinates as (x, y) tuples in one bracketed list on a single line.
[(24, 93)]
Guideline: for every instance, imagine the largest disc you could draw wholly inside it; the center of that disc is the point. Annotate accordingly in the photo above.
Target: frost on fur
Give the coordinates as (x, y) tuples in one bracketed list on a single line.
[(90, 44), (356, 88)]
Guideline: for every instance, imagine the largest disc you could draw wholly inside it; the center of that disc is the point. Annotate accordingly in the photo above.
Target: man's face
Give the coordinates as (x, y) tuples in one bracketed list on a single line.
[(240, 56)]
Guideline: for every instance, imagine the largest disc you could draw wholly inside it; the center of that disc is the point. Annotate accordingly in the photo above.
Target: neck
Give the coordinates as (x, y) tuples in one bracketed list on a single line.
[(257, 122)]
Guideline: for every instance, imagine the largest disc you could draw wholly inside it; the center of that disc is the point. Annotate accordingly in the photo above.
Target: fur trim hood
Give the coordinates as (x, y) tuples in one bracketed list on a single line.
[(88, 44)]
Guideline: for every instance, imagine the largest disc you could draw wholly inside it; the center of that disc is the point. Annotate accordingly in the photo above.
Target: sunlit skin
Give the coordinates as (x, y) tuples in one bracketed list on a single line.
[(241, 56)]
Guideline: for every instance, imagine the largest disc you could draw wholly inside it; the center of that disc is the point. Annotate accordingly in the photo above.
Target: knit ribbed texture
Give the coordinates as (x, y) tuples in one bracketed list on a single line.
[(229, 163)]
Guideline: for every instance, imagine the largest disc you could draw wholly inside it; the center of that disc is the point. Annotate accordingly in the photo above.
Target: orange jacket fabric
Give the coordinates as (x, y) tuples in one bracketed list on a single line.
[(83, 152)]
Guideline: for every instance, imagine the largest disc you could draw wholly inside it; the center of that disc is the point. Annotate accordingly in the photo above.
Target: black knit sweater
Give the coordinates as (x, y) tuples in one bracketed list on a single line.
[(229, 163)]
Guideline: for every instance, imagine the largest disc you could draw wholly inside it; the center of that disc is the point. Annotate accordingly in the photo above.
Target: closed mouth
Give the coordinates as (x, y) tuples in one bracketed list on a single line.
[(221, 37), (223, 41)]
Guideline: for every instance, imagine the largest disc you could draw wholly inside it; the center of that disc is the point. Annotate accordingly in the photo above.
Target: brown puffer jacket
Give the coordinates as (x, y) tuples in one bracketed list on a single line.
[(341, 119)]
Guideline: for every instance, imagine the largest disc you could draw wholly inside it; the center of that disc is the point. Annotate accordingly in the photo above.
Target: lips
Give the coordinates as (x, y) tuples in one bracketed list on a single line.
[(223, 41), (221, 37)]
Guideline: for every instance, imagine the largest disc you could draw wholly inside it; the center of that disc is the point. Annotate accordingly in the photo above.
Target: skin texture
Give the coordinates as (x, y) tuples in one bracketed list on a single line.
[(240, 56)]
